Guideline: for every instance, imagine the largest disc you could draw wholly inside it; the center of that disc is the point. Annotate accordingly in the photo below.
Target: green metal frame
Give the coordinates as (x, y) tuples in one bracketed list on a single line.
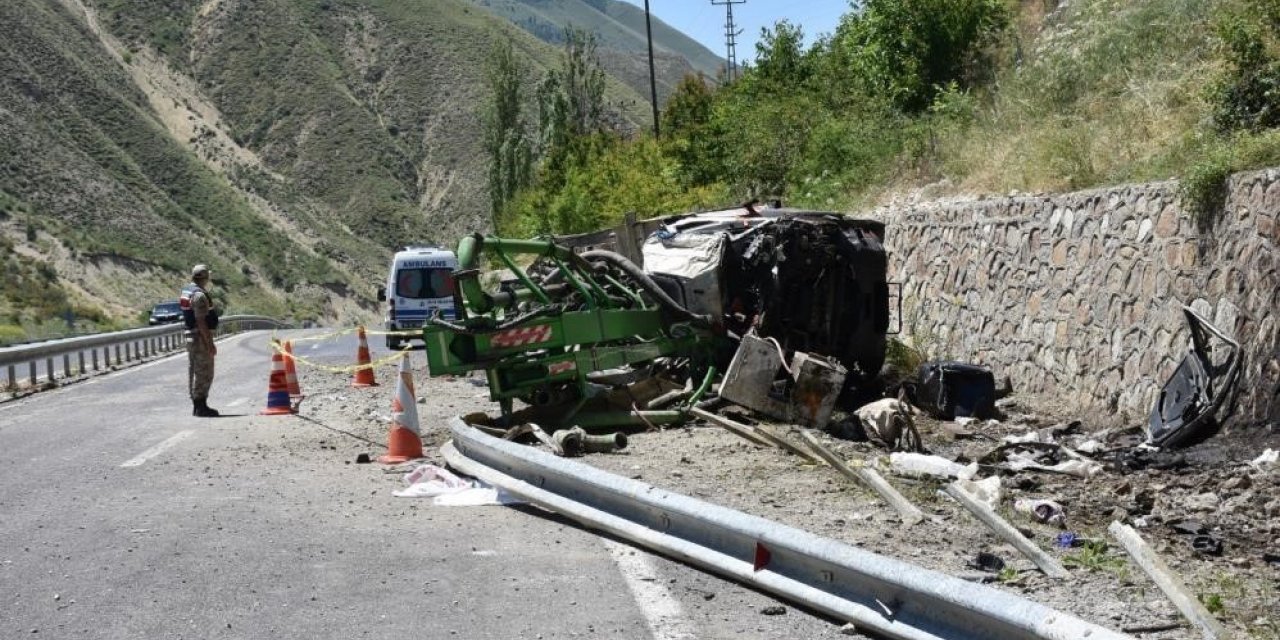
[(556, 350)]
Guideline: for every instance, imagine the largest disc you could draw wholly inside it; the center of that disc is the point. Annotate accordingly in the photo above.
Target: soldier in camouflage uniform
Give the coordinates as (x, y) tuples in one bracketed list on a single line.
[(201, 319)]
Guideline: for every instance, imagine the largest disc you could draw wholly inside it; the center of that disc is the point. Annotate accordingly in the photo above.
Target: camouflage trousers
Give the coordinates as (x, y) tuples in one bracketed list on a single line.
[(199, 370)]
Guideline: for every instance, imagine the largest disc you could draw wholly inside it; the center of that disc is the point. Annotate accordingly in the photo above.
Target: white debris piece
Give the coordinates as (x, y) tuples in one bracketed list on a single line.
[(920, 464), (988, 490), (1267, 461), (448, 489), (1046, 511), (1080, 467)]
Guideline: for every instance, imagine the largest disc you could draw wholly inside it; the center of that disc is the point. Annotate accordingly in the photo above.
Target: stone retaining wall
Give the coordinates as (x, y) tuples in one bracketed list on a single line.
[(1078, 297)]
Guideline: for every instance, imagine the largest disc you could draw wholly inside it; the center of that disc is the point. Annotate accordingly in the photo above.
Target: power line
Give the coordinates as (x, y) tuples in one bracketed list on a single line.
[(731, 33)]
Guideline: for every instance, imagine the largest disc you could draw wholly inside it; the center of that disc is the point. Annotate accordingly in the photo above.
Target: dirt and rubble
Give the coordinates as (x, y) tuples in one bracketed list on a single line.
[(1207, 490)]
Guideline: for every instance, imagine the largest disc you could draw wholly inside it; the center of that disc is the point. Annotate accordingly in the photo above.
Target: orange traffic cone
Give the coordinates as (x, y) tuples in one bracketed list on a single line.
[(364, 375), (277, 389), (403, 442), (290, 371)]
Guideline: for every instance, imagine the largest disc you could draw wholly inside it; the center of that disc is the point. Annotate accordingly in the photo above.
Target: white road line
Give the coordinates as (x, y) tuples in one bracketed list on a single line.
[(660, 609), (157, 450)]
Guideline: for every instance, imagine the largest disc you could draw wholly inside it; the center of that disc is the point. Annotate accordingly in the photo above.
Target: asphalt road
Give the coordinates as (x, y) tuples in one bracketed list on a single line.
[(121, 516)]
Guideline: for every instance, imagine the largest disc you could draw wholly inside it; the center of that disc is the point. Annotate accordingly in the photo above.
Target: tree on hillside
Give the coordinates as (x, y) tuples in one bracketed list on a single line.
[(506, 139), (688, 120), (571, 98), (780, 58), (571, 118), (906, 50)]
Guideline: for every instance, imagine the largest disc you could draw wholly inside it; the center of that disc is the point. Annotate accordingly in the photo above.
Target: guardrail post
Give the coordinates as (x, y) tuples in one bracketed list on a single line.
[(66, 365), (31, 369), (93, 353), (118, 360), (80, 362), (48, 367), (13, 377)]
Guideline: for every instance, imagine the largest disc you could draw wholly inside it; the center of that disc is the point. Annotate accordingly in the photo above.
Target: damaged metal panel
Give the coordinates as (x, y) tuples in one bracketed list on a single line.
[(804, 394), (1201, 388)]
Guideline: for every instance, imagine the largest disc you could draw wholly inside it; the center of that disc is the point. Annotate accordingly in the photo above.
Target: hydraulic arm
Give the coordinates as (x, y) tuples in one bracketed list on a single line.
[(547, 333)]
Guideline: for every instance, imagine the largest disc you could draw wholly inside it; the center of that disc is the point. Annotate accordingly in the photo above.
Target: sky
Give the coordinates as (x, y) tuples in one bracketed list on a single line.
[(705, 23)]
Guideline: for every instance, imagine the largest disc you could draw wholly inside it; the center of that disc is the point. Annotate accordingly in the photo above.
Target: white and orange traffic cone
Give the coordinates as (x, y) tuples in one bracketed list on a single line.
[(277, 389), (291, 371), (404, 442), (364, 372)]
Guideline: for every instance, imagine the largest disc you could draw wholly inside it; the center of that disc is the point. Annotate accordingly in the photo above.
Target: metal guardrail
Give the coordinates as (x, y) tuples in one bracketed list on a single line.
[(115, 348), (882, 595)]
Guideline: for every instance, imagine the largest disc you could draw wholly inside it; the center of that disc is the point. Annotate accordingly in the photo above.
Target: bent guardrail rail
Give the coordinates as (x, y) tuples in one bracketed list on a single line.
[(882, 595), (125, 346)]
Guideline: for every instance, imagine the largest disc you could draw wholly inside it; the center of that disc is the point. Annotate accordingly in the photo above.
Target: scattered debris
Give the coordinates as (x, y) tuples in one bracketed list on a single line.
[(888, 422), (363, 459), (1168, 582), (1002, 528), (774, 610), (910, 513), (576, 442), (1190, 401), (803, 392), (921, 464), (949, 390), (1044, 511), (1267, 461), (1066, 540), (988, 490), (988, 562)]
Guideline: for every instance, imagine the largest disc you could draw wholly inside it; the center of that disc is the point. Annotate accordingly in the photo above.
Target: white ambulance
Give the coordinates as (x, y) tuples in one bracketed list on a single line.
[(420, 284)]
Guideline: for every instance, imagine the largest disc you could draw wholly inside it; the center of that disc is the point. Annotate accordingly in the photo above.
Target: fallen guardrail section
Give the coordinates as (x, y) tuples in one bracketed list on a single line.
[(880, 595), (115, 348)]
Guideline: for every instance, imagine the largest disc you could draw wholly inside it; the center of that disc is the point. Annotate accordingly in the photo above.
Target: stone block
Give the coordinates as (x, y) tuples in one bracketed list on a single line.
[(1173, 253), (1167, 223), (1190, 255), (1144, 230)]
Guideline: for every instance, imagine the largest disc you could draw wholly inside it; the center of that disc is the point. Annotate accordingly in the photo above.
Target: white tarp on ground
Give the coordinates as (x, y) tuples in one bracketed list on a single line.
[(450, 489)]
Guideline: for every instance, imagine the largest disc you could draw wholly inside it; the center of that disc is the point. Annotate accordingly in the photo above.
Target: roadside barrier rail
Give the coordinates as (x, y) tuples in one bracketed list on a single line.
[(883, 595), (107, 349)]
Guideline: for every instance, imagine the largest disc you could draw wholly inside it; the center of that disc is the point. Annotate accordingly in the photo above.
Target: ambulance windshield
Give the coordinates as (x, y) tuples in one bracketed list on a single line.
[(422, 284)]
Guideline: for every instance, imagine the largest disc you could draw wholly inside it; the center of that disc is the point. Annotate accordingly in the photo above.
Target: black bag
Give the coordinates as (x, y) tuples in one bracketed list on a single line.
[(948, 390)]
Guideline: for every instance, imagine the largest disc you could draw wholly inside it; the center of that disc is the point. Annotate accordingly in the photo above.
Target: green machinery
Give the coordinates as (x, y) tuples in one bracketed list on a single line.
[(562, 330)]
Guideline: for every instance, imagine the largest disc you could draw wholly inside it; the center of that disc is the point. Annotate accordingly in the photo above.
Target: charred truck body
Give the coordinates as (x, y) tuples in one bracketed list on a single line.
[(813, 281)]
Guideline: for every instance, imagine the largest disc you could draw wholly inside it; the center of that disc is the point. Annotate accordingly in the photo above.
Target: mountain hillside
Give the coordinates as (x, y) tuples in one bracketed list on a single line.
[(620, 26), (291, 144)]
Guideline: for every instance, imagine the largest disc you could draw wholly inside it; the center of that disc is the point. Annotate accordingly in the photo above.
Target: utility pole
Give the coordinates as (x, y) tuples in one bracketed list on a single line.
[(653, 80), (731, 34)]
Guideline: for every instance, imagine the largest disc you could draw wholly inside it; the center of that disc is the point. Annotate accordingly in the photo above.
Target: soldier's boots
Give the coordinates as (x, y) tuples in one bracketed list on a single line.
[(203, 410)]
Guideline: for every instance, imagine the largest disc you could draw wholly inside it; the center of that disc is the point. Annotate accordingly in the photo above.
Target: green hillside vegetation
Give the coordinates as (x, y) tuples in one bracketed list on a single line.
[(326, 133), (954, 97)]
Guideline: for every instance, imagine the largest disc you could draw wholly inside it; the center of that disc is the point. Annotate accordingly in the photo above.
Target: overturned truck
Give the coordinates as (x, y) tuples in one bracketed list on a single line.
[(815, 282), (584, 336)]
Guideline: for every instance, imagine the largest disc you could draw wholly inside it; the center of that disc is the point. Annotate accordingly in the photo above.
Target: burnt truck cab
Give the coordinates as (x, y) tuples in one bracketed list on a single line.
[(814, 281)]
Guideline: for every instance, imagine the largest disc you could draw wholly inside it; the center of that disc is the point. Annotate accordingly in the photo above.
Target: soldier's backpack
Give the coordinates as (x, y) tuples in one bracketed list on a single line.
[(188, 314)]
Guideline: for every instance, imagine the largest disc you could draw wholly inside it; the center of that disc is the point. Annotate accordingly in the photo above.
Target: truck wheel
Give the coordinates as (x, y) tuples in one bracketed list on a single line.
[(393, 344)]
